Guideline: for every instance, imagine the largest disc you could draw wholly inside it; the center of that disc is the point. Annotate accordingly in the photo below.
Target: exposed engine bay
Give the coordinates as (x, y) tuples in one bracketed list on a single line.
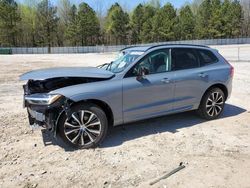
[(47, 115), (45, 86), (45, 108)]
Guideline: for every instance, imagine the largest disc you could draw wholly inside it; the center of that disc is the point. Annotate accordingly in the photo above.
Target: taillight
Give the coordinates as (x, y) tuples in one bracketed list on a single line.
[(231, 70), (231, 67)]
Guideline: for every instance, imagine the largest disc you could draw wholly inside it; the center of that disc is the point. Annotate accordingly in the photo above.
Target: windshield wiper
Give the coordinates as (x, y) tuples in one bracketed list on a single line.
[(102, 65), (109, 65), (106, 64)]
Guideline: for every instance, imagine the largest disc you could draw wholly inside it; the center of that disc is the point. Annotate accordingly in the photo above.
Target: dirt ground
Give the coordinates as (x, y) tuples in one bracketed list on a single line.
[(216, 153)]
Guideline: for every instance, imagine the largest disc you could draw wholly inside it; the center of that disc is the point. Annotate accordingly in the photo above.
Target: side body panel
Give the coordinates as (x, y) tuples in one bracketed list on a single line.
[(191, 84), (148, 97)]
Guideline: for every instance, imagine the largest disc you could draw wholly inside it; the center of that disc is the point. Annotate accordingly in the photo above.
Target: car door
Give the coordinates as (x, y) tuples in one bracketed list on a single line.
[(153, 94), (191, 79)]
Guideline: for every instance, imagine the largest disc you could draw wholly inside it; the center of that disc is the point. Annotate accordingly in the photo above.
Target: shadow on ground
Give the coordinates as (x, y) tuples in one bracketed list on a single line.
[(126, 132)]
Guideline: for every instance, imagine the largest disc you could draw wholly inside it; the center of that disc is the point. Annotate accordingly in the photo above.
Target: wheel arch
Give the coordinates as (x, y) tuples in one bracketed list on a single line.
[(103, 105), (220, 86)]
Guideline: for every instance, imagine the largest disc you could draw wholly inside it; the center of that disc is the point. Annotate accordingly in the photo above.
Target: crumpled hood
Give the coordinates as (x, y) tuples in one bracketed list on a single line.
[(89, 72)]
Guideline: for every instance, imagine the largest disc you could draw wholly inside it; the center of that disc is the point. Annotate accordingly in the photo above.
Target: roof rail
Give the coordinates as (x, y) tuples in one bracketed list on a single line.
[(158, 45), (129, 47)]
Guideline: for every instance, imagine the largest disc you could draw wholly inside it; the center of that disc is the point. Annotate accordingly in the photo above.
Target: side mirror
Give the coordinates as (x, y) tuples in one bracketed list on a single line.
[(142, 71)]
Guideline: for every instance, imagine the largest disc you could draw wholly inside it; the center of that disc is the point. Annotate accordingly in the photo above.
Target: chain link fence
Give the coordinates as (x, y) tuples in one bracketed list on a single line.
[(232, 49)]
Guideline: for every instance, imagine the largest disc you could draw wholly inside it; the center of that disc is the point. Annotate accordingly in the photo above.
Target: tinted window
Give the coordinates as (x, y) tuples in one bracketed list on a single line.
[(155, 62), (184, 58), (207, 57)]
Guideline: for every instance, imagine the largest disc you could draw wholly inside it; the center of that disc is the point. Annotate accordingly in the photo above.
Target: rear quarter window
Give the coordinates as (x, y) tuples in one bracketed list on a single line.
[(207, 57)]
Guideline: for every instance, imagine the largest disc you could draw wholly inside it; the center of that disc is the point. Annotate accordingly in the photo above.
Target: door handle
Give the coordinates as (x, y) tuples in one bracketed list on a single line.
[(165, 80), (202, 75)]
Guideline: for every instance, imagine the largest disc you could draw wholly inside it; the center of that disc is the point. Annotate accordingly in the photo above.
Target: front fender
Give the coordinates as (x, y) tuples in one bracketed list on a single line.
[(108, 92)]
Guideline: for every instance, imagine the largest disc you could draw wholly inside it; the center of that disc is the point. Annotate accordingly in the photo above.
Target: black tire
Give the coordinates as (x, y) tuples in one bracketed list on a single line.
[(210, 109), (91, 134)]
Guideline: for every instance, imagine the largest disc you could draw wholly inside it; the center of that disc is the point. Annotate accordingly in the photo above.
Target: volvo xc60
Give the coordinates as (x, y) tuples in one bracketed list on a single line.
[(79, 104)]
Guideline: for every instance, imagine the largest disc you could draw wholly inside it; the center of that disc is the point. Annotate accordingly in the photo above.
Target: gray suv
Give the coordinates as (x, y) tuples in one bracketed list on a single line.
[(144, 82)]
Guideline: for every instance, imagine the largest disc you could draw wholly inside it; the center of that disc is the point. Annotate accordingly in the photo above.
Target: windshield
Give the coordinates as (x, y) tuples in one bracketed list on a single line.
[(123, 61)]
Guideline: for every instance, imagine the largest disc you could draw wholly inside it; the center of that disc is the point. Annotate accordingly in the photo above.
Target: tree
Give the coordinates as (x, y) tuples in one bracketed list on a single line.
[(147, 27), (202, 20), (236, 16), (117, 23), (136, 23), (88, 26), (9, 23), (164, 23), (155, 3), (195, 6), (46, 24), (71, 30), (64, 8), (186, 23), (215, 23), (245, 4), (28, 24)]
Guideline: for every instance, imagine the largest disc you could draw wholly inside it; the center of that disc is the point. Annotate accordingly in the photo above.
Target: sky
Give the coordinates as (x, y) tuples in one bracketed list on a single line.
[(127, 4), (130, 4)]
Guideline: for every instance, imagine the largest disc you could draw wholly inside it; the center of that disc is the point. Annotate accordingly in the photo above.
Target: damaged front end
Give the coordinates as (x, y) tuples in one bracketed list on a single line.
[(45, 109), (45, 114)]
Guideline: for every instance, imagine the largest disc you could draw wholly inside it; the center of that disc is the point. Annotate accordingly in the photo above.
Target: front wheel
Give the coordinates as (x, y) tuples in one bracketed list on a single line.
[(86, 128), (212, 104)]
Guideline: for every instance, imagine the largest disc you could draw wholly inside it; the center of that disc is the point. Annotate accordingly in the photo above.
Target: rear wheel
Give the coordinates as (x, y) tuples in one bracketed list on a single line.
[(212, 104), (86, 128)]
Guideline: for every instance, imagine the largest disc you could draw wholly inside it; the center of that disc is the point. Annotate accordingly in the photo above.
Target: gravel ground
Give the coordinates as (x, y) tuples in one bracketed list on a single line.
[(217, 152)]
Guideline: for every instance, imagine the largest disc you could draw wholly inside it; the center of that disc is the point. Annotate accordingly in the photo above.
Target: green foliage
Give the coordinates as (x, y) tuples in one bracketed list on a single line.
[(28, 25), (88, 26), (164, 23), (9, 21), (117, 24), (202, 20), (246, 17), (219, 20), (147, 26), (41, 23), (64, 9), (136, 23), (216, 22), (186, 24), (235, 15), (46, 24), (155, 3), (71, 30)]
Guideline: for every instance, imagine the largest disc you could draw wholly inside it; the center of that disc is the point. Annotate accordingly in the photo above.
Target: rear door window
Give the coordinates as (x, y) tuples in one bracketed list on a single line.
[(206, 57), (184, 58)]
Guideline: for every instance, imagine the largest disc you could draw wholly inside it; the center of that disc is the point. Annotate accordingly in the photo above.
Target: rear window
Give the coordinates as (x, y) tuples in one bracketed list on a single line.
[(207, 57)]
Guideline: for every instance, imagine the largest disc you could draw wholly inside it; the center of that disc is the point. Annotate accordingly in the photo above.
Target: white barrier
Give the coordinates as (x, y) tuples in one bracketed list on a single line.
[(231, 51)]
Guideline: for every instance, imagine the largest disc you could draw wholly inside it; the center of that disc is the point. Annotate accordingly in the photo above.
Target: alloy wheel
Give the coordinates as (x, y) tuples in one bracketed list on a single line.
[(214, 104), (82, 128)]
